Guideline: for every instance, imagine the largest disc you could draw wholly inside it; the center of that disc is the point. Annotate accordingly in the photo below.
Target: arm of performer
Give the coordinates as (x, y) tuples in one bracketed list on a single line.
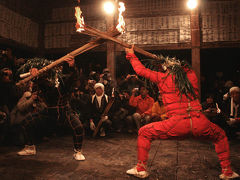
[(69, 59), (140, 69)]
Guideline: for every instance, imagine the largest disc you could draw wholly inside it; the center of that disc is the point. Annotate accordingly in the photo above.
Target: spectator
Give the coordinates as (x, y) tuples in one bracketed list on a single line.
[(9, 93), (231, 109), (157, 112), (232, 105), (215, 115), (130, 82), (97, 106), (92, 80), (29, 103), (123, 110), (106, 80), (210, 108), (89, 87), (143, 103)]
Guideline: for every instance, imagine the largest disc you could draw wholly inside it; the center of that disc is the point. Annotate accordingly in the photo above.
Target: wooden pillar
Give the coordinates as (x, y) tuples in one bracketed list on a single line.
[(196, 43), (111, 49)]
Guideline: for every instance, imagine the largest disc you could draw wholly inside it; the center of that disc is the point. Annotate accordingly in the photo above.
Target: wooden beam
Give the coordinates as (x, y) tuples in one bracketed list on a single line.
[(223, 44), (175, 46)]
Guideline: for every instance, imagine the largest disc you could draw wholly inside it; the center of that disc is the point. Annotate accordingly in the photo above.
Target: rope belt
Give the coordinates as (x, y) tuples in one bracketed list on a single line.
[(187, 113)]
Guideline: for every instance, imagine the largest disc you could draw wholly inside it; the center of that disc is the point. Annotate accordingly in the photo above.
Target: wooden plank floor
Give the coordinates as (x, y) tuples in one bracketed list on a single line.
[(109, 158)]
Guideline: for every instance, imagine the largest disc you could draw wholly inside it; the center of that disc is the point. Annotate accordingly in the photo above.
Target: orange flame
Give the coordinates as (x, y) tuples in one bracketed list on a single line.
[(121, 23), (80, 21)]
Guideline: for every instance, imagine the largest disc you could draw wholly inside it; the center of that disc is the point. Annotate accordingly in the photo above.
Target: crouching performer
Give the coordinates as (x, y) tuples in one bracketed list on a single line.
[(178, 85)]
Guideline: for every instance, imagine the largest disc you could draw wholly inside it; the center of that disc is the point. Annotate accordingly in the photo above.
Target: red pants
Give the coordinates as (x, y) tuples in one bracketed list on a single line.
[(194, 125)]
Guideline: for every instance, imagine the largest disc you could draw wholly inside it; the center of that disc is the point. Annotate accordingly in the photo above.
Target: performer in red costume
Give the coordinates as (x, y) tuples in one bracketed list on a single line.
[(184, 112)]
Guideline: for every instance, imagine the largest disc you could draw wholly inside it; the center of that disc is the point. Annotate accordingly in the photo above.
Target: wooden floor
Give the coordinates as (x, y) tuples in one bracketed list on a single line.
[(109, 158)]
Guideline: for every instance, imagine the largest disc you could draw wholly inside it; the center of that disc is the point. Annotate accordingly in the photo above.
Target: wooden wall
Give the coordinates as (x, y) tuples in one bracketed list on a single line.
[(150, 23), (17, 27), (220, 21), (27, 8)]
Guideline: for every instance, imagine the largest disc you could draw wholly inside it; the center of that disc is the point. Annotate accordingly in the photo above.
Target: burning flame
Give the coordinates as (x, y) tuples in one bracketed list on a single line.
[(121, 23), (80, 21)]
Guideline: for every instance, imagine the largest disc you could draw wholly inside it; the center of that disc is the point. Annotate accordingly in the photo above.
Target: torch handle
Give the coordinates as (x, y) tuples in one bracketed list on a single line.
[(92, 44), (106, 36), (24, 75)]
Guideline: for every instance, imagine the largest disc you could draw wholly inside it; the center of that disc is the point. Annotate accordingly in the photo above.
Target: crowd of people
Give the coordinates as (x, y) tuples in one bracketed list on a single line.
[(40, 109)]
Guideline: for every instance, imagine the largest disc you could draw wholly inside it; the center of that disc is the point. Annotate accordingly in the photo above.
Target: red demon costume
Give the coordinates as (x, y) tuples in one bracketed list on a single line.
[(185, 119)]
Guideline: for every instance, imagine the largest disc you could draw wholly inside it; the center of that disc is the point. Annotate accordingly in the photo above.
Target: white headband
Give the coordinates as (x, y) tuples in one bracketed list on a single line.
[(97, 85), (234, 89)]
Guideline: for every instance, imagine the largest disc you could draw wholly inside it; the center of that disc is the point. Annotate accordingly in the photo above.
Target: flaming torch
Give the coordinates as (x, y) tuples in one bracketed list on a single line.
[(103, 36), (80, 26), (80, 20), (120, 28), (121, 23)]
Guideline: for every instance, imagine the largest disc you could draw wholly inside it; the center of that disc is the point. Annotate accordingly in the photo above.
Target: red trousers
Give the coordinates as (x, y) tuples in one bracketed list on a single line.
[(195, 125)]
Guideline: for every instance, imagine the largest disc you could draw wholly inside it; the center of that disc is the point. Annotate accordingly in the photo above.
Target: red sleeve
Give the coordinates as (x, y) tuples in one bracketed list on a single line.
[(151, 102), (149, 111), (138, 67), (133, 101)]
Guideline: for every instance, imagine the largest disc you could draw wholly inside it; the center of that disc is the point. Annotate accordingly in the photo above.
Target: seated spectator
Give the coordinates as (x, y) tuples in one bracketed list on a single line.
[(9, 95), (130, 82), (92, 80), (231, 109), (157, 112), (106, 80), (232, 106), (123, 110), (210, 108), (98, 104), (29, 103), (215, 115), (143, 103), (9, 92)]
